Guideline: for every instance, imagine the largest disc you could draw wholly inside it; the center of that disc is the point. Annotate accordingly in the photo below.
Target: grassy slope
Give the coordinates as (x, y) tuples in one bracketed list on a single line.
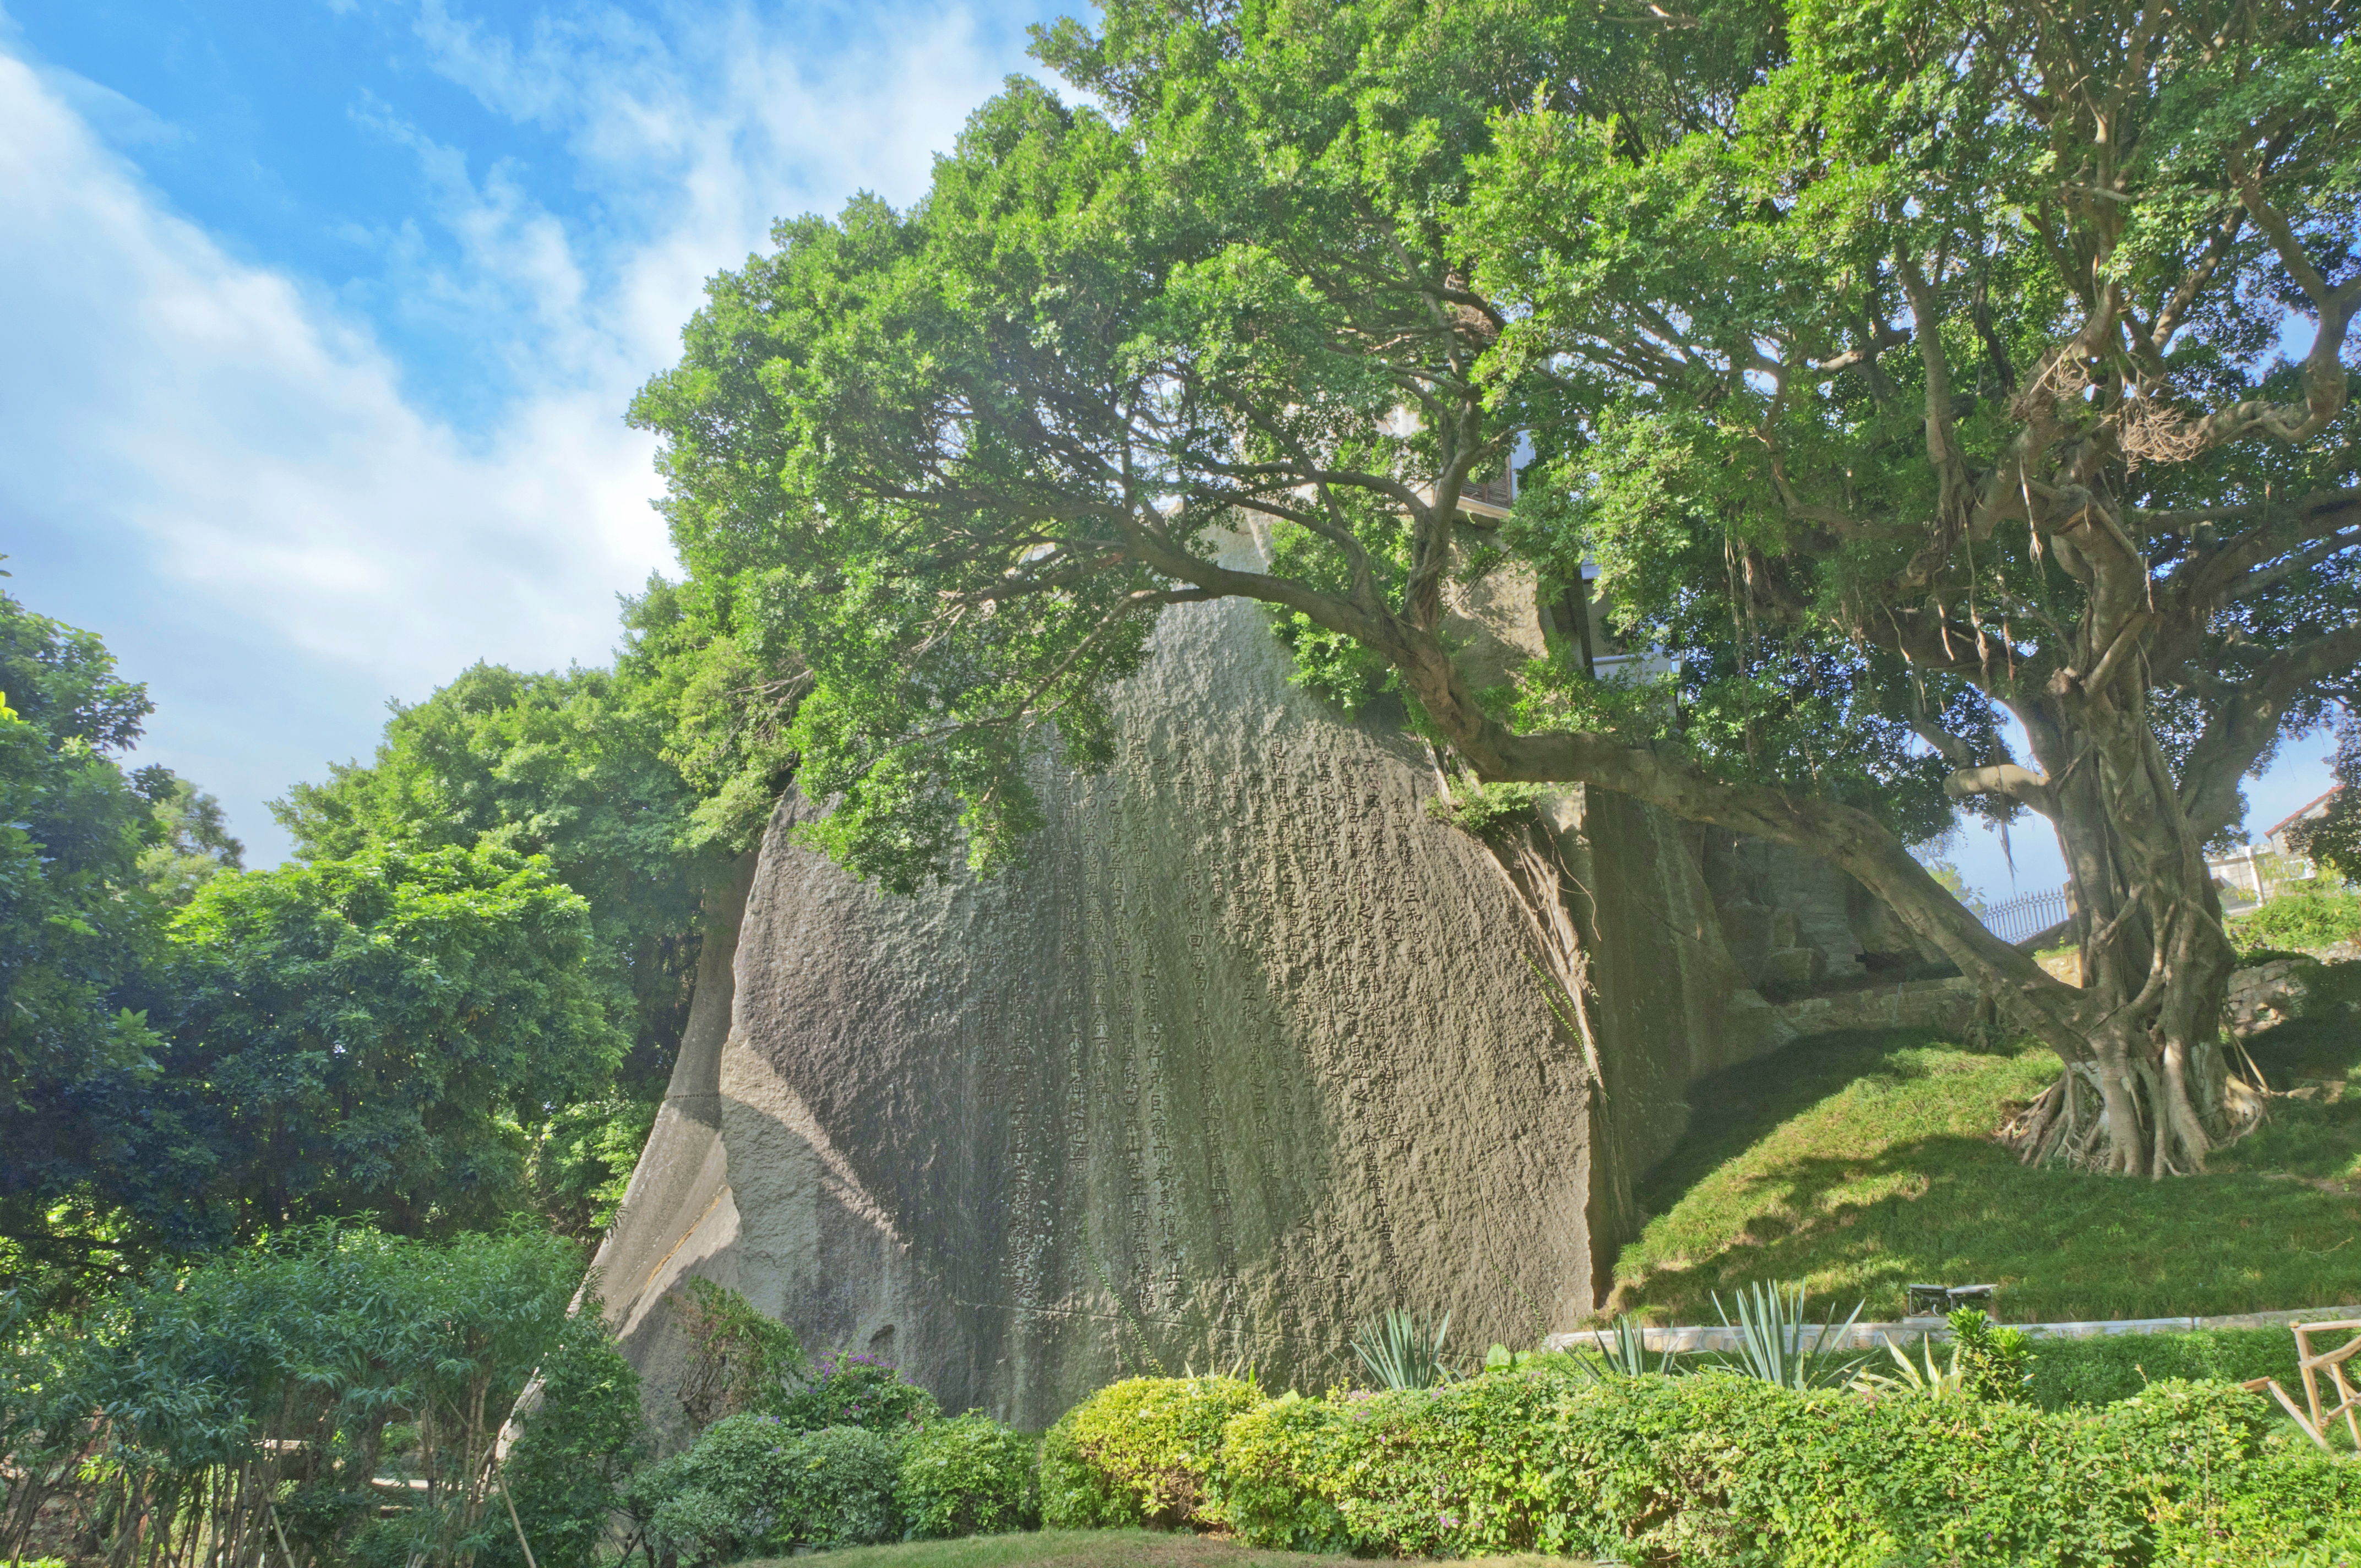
[(1863, 1162), (1092, 1549)]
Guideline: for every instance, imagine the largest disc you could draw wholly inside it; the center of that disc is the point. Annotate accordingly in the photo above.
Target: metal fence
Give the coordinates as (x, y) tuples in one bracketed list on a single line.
[(2028, 915)]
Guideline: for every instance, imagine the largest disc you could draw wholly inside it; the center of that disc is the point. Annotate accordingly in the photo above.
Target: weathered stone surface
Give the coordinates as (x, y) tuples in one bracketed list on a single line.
[(1916, 1003), (1795, 922), (1253, 1048), (2269, 994)]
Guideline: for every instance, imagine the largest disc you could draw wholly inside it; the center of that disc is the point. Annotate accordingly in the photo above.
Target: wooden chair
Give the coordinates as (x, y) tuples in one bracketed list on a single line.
[(2311, 1365)]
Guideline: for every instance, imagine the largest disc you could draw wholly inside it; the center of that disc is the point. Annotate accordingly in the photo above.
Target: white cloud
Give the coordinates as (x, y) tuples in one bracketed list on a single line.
[(262, 446), (284, 533)]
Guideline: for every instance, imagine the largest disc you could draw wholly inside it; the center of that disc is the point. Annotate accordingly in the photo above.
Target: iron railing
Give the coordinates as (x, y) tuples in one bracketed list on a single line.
[(2026, 915)]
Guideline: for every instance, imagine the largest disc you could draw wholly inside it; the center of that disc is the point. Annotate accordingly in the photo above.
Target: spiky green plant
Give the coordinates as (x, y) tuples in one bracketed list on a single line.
[(1925, 1381), (1398, 1351), (1625, 1354), (1772, 1331)]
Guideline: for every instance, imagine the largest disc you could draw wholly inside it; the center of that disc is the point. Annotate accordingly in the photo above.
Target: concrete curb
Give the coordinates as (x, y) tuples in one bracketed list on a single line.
[(1865, 1336)]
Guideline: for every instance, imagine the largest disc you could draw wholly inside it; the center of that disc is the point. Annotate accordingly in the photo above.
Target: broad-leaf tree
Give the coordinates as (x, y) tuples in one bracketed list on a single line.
[(563, 765), (640, 785), (383, 1034), (78, 930), (1900, 370)]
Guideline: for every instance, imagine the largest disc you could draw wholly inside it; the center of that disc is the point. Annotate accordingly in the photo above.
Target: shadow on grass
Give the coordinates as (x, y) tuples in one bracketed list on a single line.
[(1863, 1162), (1735, 1110)]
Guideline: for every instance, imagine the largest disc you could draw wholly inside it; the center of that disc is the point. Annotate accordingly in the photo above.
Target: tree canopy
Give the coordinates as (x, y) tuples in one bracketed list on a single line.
[(77, 924), (1896, 368), (567, 766), (423, 1021), (377, 1034)]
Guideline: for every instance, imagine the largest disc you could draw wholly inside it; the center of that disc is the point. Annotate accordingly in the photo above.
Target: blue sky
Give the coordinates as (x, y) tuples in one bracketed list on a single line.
[(321, 316)]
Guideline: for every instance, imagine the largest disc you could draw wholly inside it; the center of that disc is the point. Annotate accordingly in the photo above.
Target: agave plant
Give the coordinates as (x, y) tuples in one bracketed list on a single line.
[(1400, 1352), (1625, 1355), (1771, 1336), (1908, 1376)]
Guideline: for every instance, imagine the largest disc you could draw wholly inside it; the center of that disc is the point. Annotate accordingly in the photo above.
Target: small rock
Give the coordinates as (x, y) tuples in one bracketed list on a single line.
[(2268, 993)]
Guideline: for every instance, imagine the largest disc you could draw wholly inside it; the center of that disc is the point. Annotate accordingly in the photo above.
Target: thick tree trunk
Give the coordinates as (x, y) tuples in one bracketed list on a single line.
[(2156, 963), (2147, 1090)]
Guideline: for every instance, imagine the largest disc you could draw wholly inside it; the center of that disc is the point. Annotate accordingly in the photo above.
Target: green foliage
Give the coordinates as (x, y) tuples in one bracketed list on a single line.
[(1077, 1493), (1713, 1469), (739, 1360), (2298, 922), (376, 1034), (1996, 1361), (752, 1482), (1157, 284), (1778, 1344), (568, 767), (300, 1369), (191, 842), (583, 1435), (1485, 810), (726, 684), (1147, 282), (2113, 1367), (2334, 839), (968, 1475), (637, 786), (843, 1389), (78, 929), (1401, 1352), (1138, 1451)]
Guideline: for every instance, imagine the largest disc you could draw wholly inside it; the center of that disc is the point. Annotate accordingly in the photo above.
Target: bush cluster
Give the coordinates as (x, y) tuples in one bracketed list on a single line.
[(846, 1390), (1708, 1468), (755, 1483), (970, 1475), (2300, 922), (856, 1456), (1137, 1451), (291, 1376)]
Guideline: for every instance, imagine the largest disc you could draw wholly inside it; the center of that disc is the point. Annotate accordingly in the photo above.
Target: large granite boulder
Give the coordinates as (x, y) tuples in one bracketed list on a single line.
[(1253, 1048)]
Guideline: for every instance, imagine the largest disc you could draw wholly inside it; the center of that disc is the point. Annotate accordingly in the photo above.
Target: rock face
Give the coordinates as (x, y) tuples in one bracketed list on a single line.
[(1252, 1048)]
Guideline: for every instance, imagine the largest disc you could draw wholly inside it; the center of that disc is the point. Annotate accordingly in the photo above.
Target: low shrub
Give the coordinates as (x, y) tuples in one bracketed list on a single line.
[(847, 1391), (1712, 1469), (753, 1483), (2300, 921), (1996, 1361), (970, 1475), (2068, 1372), (1138, 1451)]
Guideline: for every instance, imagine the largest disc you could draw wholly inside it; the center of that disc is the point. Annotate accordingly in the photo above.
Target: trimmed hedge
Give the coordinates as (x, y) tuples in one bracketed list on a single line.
[(752, 1483), (1716, 1469), (1136, 1453)]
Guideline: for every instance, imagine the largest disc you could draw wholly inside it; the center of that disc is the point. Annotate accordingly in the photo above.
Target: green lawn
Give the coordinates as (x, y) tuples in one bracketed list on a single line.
[(1864, 1162), (1091, 1549)]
